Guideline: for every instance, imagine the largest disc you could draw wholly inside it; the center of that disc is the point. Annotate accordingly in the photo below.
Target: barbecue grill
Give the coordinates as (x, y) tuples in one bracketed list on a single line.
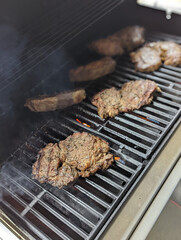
[(44, 50)]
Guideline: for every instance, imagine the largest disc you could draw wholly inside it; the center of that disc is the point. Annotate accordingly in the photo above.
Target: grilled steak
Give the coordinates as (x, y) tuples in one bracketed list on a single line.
[(136, 94), (80, 154), (128, 38), (146, 59), (92, 70), (131, 37), (51, 103), (107, 46), (150, 56), (132, 95), (108, 102), (170, 53)]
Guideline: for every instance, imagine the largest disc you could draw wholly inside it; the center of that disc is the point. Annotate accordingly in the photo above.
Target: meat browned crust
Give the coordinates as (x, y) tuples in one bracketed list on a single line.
[(93, 70), (108, 102), (107, 46), (128, 38), (146, 59), (136, 94), (80, 154), (131, 37), (151, 55), (51, 103), (131, 96), (170, 52)]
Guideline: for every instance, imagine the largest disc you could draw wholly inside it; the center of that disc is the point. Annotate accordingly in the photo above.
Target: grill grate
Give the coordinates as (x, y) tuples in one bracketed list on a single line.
[(80, 210)]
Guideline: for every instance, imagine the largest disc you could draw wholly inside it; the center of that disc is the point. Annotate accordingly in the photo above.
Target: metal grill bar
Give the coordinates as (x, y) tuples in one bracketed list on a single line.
[(135, 127)]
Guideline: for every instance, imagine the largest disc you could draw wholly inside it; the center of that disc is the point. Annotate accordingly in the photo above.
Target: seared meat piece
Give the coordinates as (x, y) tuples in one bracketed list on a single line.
[(108, 102), (170, 52), (107, 46), (150, 56), (132, 95), (136, 94), (51, 103), (80, 154), (146, 59), (128, 38), (47, 167), (47, 163), (131, 37), (92, 70)]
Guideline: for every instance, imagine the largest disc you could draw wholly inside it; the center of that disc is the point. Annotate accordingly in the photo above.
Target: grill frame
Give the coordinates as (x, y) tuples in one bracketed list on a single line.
[(141, 165), (142, 174)]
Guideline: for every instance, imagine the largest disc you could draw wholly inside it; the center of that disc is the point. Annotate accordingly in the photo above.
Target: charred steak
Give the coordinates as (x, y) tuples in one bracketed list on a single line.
[(151, 55), (128, 38), (80, 154), (93, 70), (46, 103), (132, 95)]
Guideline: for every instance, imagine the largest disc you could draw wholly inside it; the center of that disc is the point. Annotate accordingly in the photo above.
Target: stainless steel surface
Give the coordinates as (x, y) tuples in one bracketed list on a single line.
[(129, 216), (158, 204), (9, 230), (5, 233), (167, 226)]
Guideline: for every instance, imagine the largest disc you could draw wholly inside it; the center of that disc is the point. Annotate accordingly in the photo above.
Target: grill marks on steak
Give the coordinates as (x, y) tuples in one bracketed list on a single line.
[(128, 38), (151, 55), (131, 96), (80, 154), (93, 70), (108, 102)]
